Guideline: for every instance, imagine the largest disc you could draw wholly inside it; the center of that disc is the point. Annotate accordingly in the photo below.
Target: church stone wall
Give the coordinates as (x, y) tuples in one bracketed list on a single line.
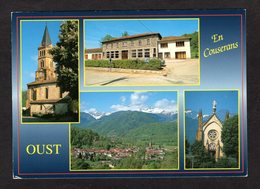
[(41, 109)]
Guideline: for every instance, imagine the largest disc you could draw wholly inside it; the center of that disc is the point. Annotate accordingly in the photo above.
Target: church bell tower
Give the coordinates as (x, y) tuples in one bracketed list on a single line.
[(46, 70), (200, 123)]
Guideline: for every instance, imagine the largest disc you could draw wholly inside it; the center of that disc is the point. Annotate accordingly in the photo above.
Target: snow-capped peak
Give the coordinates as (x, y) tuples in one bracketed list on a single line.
[(97, 115)]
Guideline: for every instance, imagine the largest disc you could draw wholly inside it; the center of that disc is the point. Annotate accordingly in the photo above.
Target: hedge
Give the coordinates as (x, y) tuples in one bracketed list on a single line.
[(151, 64)]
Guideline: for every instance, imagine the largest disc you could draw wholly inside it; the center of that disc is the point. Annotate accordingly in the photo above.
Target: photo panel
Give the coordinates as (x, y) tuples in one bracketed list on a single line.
[(49, 67), (134, 130), (141, 52), (212, 129)]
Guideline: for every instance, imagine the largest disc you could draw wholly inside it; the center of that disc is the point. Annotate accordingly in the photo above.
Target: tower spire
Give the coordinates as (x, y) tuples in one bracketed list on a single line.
[(46, 40)]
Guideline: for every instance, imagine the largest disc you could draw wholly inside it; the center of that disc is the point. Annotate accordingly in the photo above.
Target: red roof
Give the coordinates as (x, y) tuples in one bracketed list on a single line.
[(174, 38), (94, 50)]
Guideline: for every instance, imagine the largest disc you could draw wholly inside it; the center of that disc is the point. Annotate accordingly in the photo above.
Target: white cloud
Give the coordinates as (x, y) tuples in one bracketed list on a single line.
[(122, 99), (92, 110), (138, 98), (188, 111), (137, 103), (166, 105), (205, 115)]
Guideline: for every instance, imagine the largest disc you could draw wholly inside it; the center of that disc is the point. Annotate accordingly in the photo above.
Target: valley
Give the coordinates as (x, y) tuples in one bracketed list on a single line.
[(125, 140)]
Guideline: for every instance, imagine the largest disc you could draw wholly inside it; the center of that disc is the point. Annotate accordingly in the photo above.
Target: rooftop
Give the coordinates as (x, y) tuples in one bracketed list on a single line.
[(174, 38), (134, 36), (94, 50), (42, 82), (46, 40)]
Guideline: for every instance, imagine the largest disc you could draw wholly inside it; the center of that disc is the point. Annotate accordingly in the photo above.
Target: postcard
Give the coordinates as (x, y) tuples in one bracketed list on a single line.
[(129, 94)]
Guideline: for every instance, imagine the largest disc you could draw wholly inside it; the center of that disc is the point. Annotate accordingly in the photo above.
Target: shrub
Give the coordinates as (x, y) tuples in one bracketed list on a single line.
[(150, 64)]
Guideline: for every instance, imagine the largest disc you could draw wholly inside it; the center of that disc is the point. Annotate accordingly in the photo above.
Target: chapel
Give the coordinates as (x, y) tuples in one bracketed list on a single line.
[(209, 132)]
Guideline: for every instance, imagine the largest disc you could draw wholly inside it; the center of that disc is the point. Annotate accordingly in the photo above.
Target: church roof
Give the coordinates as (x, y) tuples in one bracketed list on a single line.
[(46, 40), (42, 82), (205, 123)]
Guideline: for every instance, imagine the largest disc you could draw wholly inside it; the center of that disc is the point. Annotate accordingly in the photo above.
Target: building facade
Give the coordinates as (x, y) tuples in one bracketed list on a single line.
[(173, 47), (43, 94), (142, 46), (93, 54), (132, 47), (209, 133)]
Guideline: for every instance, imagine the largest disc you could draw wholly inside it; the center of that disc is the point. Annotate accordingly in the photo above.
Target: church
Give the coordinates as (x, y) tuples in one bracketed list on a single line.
[(210, 131), (44, 96)]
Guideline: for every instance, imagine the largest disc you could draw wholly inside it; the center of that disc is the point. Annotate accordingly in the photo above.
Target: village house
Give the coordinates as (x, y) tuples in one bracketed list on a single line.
[(43, 94), (142, 46), (173, 47), (93, 54)]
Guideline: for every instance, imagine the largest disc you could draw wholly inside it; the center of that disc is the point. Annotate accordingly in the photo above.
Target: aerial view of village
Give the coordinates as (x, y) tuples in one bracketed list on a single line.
[(133, 130), (141, 52)]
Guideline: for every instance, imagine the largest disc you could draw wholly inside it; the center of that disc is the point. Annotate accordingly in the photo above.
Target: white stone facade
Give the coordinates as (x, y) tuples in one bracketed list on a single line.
[(171, 51)]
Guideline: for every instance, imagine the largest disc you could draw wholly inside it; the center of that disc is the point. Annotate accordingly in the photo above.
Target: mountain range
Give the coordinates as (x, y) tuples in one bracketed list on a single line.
[(132, 125)]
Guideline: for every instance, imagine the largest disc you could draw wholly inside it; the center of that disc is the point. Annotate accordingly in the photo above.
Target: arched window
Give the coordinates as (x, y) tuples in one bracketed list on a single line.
[(42, 64), (34, 94), (46, 93)]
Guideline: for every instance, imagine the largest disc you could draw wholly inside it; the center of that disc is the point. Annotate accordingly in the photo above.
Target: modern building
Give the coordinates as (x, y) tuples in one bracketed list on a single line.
[(174, 47), (141, 46), (44, 96), (209, 133)]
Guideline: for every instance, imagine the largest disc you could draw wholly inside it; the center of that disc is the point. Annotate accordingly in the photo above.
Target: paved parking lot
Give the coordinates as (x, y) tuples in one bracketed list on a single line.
[(176, 72)]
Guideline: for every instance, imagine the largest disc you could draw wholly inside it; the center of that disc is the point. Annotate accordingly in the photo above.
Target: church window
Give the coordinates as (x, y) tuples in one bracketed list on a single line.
[(34, 95), (46, 93), (212, 134), (42, 64), (212, 147)]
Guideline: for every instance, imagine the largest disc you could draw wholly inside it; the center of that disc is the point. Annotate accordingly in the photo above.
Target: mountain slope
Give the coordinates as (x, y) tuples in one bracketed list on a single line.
[(156, 133), (120, 123)]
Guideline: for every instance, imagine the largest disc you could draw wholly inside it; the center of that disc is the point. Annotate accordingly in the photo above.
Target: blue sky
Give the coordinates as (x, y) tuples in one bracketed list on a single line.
[(202, 100), (108, 102), (96, 30), (32, 33)]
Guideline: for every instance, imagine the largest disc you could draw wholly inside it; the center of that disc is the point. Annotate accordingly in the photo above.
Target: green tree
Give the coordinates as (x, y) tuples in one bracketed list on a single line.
[(125, 33), (194, 44), (230, 137), (107, 37), (24, 98), (202, 159), (65, 54)]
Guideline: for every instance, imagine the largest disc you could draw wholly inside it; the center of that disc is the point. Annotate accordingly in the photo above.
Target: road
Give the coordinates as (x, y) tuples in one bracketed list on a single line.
[(176, 72)]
